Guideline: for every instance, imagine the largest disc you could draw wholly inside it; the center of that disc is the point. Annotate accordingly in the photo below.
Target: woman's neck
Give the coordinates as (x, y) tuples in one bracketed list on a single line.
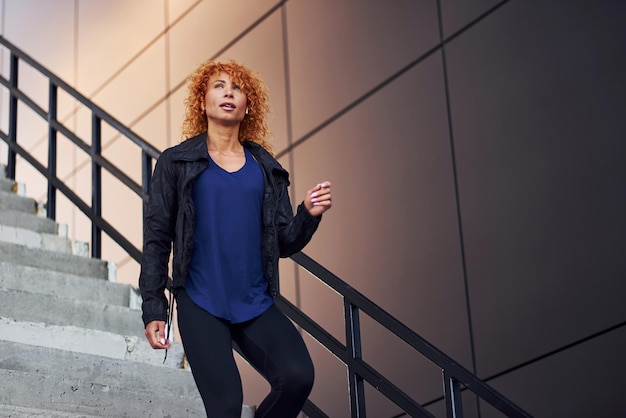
[(223, 139)]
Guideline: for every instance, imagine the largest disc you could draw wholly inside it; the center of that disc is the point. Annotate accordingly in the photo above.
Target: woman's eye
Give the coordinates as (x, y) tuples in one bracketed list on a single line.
[(236, 88)]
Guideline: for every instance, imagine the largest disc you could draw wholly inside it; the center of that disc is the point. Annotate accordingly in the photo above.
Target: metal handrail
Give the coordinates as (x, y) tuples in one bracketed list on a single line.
[(93, 211), (454, 374)]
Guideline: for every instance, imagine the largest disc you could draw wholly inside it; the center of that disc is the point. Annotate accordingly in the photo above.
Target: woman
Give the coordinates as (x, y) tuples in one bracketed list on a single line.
[(220, 200)]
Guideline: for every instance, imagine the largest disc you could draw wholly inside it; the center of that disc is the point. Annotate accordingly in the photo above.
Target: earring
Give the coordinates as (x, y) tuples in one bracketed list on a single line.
[(247, 110)]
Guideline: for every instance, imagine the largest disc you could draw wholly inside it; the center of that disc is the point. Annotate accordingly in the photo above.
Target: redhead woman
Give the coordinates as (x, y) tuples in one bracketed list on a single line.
[(219, 200)]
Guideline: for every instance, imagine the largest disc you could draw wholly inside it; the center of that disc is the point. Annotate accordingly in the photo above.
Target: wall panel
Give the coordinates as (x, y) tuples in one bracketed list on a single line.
[(340, 50), (155, 128), (142, 84), (392, 231), (456, 14), (177, 8), (541, 162), (586, 380), (204, 32), (45, 30), (111, 34)]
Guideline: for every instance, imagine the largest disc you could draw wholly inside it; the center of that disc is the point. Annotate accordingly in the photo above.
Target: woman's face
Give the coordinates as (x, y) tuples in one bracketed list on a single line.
[(225, 102)]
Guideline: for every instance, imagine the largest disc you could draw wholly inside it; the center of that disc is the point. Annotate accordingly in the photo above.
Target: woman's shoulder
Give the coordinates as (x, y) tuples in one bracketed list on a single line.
[(187, 149)]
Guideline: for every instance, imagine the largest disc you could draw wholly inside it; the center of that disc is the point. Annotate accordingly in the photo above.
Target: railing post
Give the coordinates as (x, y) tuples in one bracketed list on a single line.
[(353, 343), (452, 390), (52, 151), (12, 116), (96, 185)]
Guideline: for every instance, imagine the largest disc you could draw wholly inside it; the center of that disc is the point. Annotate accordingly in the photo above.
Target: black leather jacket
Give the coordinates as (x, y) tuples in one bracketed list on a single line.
[(170, 217)]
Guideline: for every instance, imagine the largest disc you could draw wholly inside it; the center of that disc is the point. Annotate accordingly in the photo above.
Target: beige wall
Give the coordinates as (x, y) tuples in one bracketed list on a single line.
[(465, 173)]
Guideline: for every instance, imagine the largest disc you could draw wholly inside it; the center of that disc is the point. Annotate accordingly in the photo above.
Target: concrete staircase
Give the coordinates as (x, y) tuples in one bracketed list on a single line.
[(71, 339)]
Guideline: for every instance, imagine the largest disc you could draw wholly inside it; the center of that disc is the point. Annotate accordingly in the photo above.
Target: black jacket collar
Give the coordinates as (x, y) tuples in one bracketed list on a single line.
[(195, 149)]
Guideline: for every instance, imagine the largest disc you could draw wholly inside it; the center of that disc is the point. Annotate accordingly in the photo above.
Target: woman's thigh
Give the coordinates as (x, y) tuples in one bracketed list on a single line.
[(208, 345), (272, 344)]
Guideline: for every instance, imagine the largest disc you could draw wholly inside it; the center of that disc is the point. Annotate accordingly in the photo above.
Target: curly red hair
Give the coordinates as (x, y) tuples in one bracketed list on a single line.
[(254, 125)]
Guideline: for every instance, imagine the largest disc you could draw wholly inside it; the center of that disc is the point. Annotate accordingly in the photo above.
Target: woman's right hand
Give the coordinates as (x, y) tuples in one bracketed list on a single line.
[(155, 333)]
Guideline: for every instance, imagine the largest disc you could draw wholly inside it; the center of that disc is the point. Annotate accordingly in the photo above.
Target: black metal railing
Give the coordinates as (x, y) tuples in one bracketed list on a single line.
[(456, 378), (92, 210)]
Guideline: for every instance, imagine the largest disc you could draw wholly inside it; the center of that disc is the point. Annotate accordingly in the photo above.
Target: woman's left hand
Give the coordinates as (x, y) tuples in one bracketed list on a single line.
[(318, 199)]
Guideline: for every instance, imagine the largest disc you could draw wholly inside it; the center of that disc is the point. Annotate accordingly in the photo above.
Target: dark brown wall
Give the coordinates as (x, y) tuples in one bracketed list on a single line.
[(479, 194)]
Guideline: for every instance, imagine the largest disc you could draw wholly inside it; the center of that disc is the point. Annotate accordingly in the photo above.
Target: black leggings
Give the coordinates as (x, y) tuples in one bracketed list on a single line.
[(269, 342)]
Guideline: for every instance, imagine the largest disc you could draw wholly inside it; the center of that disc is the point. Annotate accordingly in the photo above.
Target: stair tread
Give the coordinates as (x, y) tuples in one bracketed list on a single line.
[(91, 367), (42, 240), (88, 341), (68, 263), (13, 411), (30, 221), (87, 384), (91, 397), (67, 285), (12, 201), (55, 310), (6, 185)]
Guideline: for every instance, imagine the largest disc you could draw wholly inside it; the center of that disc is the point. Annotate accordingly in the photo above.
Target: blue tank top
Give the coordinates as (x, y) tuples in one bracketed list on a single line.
[(226, 276)]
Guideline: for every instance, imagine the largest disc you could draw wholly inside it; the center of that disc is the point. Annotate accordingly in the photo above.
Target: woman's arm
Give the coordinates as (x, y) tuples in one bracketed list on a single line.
[(295, 232), (158, 230)]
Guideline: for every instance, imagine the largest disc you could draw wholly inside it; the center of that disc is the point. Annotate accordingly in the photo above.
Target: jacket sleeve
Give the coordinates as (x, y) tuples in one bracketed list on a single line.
[(294, 232), (158, 234)]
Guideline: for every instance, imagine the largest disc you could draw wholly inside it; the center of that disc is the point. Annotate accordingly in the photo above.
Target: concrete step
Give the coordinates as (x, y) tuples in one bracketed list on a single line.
[(53, 283), (31, 222), (12, 201), (46, 379), (12, 411), (88, 341), (53, 310), (106, 370), (6, 185), (65, 263), (49, 242), (92, 398)]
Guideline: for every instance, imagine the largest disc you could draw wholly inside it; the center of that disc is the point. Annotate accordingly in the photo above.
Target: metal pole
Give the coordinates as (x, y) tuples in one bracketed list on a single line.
[(353, 340), (452, 390), (52, 151), (96, 186), (12, 116)]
